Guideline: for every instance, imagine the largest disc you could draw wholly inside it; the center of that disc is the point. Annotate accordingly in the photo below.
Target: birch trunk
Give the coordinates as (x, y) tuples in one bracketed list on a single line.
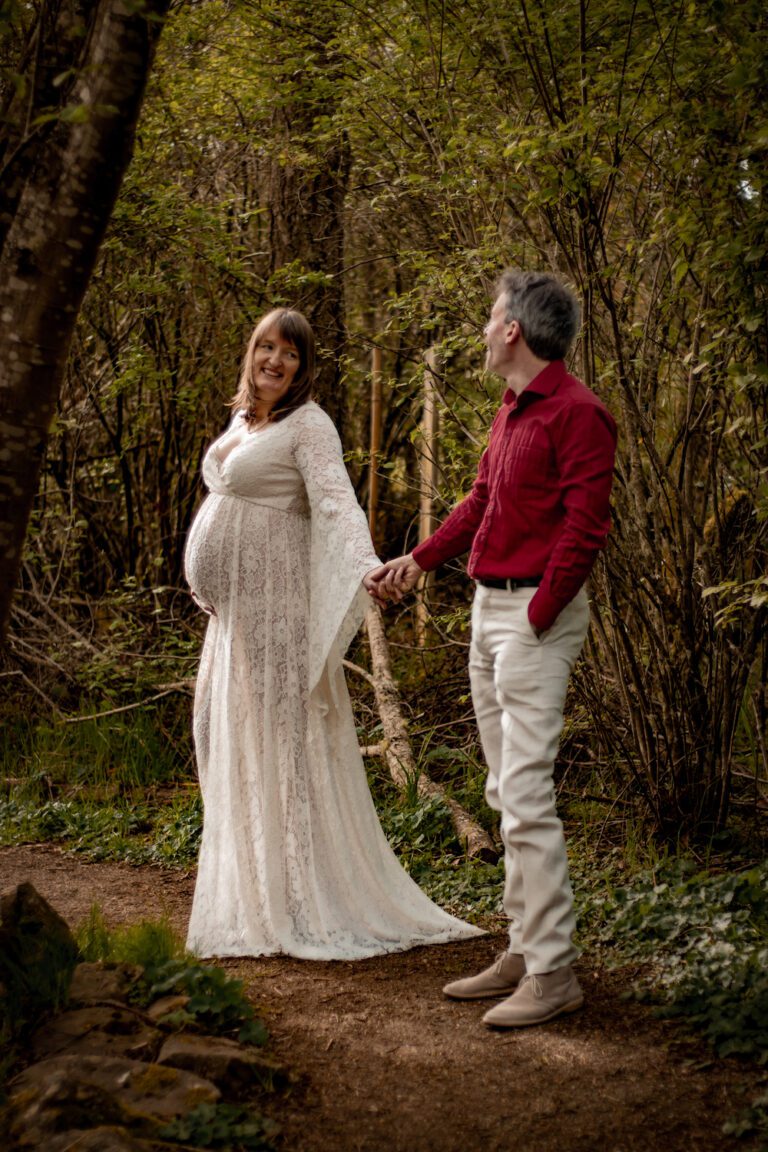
[(375, 446), (428, 478)]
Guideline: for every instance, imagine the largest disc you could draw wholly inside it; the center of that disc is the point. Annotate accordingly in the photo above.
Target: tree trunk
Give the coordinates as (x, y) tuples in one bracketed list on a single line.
[(64, 176), (375, 447), (308, 176), (428, 480)]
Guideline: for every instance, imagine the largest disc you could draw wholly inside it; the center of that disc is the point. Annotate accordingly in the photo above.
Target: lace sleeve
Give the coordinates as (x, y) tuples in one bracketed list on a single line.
[(341, 550)]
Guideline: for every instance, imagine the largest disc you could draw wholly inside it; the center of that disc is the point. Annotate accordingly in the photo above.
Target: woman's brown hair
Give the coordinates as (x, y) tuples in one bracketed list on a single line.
[(295, 328)]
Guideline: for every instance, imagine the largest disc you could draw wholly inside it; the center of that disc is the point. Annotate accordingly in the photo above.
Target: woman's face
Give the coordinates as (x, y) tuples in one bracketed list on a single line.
[(275, 363)]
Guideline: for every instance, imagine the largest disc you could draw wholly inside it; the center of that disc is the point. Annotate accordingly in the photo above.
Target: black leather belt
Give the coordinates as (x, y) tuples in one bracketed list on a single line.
[(511, 584)]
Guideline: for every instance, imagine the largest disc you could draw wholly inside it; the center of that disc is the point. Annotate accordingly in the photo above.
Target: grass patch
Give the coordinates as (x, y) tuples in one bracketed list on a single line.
[(108, 755), (149, 944), (113, 787), (216, 1002)]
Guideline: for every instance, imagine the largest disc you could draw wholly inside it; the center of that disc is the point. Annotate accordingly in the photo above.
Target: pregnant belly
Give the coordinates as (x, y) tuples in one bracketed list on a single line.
[(209, 551), (246, 556)]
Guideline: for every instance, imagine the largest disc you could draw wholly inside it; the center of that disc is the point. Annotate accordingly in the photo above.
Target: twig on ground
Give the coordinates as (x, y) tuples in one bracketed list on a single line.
[(167, 689), (35, 688)]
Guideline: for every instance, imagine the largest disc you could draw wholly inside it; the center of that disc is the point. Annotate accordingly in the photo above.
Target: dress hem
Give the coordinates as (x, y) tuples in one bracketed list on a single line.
[(361, 954)]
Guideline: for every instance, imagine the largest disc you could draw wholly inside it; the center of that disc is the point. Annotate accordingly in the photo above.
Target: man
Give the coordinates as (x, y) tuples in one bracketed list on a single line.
[(534, 522)]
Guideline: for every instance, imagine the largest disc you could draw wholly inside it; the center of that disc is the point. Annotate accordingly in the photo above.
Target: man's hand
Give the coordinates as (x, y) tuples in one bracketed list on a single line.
[(394, 579)]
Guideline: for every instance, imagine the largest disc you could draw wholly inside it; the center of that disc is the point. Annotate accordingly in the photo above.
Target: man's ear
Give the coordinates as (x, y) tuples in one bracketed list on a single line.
[(513, 333)]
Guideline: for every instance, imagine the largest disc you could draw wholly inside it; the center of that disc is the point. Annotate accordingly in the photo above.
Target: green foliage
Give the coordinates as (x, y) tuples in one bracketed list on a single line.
[(621, 146), (115, 754), (752, 1120), (94, 830), (223, 1126), (114, 777), (136, 832), (724, 993), (417, 828), (702, 939), (216, 1000), (707, 938), (467, 888), (217, 1003), (177, 832), (421, 832)]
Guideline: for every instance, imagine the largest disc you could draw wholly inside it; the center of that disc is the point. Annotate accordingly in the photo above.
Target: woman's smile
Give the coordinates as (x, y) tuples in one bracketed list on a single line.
[(275, 363)]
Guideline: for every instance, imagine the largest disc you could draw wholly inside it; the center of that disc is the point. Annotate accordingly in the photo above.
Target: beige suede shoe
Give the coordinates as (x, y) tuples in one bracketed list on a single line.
[(538, 999), (500, 979)]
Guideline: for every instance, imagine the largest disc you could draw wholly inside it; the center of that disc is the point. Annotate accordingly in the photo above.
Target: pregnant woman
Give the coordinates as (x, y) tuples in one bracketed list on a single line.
[(293, 859)]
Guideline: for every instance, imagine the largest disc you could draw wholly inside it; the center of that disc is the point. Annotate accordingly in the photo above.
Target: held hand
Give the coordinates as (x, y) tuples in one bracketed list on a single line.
[(392, 580), (400, 575), (372, 584)]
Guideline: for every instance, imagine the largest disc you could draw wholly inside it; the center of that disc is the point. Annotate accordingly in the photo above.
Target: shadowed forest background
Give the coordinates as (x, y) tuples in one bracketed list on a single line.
[(377, 166)]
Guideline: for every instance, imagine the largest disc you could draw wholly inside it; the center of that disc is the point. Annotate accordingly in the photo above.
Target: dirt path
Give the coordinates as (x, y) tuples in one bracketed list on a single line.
[(387, 1065)]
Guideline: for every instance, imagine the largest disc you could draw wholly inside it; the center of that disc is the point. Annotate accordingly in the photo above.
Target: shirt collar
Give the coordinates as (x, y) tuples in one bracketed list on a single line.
[(545, 384)]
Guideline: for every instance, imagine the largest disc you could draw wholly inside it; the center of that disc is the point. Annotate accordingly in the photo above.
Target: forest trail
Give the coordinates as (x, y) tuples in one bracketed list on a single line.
[(386, 1064)]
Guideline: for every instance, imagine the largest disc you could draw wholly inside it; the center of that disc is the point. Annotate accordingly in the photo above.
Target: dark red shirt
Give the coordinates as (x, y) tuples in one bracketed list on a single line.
[(539, 504)]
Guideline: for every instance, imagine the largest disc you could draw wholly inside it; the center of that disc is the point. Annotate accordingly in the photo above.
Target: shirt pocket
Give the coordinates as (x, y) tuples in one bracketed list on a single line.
[(529, 465)]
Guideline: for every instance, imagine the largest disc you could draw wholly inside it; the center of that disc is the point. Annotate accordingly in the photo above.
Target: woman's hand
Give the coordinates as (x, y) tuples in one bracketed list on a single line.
[(393, 580), (372, 586), (207, 608)]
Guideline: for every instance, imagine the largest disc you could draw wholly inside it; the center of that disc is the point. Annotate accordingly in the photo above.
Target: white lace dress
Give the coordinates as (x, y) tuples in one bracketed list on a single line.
[(293, 858)]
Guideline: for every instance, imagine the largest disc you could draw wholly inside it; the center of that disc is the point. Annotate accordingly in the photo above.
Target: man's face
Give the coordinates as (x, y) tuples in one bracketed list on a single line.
[(496, 331)]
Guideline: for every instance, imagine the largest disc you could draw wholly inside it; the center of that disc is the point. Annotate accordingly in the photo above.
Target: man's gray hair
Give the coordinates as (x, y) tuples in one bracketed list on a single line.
[(547, 312)]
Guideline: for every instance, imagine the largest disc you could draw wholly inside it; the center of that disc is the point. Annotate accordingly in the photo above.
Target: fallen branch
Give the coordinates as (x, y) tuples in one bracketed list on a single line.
[(178, 686), (398, 752), (374, 750), (35, 594), (35, 688), (359, 672)]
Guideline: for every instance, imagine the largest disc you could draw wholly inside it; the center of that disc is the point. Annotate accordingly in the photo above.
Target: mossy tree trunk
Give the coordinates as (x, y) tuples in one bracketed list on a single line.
[(77, 86)]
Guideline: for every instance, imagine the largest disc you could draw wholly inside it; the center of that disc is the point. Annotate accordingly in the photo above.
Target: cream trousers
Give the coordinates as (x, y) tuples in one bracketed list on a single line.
[(518, 690)]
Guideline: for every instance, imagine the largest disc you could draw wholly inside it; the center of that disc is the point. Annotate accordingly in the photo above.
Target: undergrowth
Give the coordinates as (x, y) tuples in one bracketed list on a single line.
[(704, 937), (222, 1126), (701, 938), (213, 1001), (148, 944), (216, 1001), (132, 831)]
